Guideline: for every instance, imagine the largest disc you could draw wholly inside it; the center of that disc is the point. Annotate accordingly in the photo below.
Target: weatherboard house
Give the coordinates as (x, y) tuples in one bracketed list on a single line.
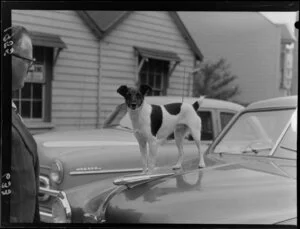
[(84, 56)]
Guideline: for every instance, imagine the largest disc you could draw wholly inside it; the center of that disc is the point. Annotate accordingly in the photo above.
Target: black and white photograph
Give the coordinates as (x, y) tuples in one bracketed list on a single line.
[(117, 114)]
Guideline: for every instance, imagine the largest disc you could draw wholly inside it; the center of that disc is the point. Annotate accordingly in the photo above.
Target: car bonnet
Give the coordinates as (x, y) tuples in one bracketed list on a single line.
[(227, 194)]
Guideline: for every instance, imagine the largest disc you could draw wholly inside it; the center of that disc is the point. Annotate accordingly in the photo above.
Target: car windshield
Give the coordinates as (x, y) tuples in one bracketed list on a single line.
[(119, 117), (287, 148), (254, 132)]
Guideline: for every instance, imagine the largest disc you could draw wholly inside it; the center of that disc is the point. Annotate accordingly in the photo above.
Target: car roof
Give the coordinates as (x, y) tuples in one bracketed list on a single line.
[(207, 102), (279, 102)]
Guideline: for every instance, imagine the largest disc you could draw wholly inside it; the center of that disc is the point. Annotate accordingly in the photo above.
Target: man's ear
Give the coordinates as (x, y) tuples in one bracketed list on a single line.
[(144, 88), (122, 90)]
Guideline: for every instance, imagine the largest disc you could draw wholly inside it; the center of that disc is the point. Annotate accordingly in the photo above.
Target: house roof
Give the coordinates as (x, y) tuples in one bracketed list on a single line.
[(157, 54), (46, 39), (102, 22), (287, 36)]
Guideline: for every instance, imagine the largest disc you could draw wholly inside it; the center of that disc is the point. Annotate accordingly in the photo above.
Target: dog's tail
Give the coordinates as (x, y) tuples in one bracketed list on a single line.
[(197, 104)]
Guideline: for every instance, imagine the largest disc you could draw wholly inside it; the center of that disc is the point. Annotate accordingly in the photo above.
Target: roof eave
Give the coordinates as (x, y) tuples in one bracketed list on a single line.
[(116, 22), (186, 35), (91, 24), (101, 33)]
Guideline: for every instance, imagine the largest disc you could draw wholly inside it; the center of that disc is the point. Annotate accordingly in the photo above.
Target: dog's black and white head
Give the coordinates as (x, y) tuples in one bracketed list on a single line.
[(134, 97)]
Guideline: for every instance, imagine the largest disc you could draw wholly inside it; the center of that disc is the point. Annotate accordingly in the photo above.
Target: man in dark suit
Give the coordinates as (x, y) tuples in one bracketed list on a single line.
[(24, 207)]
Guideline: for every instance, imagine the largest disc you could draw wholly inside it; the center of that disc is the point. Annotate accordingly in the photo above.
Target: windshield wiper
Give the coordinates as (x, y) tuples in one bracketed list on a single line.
[(256, 151)]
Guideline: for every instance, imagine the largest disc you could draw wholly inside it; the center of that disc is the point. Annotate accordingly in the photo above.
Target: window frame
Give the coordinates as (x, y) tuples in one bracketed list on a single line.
[(164, 76), (31, 99), (143, 54)]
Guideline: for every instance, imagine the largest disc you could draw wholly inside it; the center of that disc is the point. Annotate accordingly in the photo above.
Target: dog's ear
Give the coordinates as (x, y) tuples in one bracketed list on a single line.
[(144, 88), (122, 90)]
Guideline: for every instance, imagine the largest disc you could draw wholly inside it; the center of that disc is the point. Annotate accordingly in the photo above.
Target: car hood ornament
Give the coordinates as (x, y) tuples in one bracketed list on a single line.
[(139, 178)]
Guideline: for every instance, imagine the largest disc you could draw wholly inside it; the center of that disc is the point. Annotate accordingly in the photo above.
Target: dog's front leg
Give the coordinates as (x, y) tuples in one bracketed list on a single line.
[(143, 150), (153, 148)]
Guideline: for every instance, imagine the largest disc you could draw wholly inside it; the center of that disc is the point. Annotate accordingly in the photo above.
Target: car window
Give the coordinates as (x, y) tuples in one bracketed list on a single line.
[(252, 130), (225, 117), (207, 125), (287, 148)]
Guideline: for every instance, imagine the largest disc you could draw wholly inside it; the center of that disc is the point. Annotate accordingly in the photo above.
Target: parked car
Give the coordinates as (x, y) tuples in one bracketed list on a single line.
[(251, 179), (69, 159)]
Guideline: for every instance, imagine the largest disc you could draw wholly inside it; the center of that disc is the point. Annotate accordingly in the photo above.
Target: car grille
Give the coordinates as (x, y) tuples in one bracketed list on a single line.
[(44, 183)]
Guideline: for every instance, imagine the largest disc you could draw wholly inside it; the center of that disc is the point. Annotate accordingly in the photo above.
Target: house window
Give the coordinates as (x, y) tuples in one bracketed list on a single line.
[(32, 100), (155, 74), (29, 100), (155, 67)]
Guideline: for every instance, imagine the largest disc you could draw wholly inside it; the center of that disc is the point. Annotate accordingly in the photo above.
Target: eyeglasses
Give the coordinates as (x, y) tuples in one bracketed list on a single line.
[(27, 60)]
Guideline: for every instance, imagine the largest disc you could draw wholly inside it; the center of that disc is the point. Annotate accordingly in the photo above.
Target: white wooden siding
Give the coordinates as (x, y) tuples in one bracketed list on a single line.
[(75, 79), (148, 29)]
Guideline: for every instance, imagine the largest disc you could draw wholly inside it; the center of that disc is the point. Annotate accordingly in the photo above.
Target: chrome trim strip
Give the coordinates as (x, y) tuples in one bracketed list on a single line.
[(45, 214), (73, 173), (62, 197), (66, 206), (50, 192), (46, 217), (44, 180)]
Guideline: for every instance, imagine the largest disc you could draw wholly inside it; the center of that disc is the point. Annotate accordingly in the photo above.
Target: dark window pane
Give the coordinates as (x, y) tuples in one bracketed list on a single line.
[(207, 128), (26, 91), (25, 112), (225, 118), (37, 91), (158, 83), (154, 73), (15, 94), (156, 92), (37, 109), (151, 80), (38, 54)]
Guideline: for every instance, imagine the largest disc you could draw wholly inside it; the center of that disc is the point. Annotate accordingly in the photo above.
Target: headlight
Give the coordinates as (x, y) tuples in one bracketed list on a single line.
[(56, 173), (61, 211)]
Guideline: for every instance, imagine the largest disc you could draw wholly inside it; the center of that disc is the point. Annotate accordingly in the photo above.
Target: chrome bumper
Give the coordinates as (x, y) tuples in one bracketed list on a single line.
[(46, 217), (62, 197)]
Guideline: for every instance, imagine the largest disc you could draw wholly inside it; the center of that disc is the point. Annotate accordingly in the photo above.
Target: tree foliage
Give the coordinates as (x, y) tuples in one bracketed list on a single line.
[(214, 80)]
